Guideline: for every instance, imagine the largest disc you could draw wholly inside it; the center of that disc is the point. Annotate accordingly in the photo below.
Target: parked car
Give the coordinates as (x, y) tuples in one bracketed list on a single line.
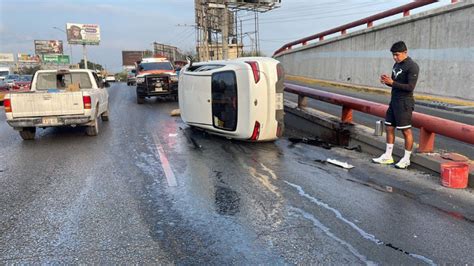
[(240, 99), (22, 84), (110, 78), (74, 97), (10, 79), (131, 79), (4, 71), (4, 88)]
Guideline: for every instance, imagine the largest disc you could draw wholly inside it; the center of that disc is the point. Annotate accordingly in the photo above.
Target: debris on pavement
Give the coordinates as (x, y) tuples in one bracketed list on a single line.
[(175, 112), (456, 157), (356, 148), (339, 163), (315, 142)]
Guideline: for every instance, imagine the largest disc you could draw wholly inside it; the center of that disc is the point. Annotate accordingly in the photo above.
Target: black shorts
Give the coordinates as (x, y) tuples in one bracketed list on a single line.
[(399, 113)]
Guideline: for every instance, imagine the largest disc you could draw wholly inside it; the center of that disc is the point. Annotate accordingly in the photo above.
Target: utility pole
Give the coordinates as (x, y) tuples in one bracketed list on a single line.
[(84, 53), (70, 46), (205, 32), (225, 33)]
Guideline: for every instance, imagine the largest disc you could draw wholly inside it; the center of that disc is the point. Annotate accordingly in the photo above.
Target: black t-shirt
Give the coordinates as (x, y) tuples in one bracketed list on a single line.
[(405, 76)]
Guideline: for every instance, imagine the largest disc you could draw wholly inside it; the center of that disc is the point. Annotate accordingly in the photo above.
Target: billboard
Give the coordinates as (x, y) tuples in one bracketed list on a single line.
[(83, 33), (48, 47), (130, 57), (6, 57), (28, 58), (56, 59)]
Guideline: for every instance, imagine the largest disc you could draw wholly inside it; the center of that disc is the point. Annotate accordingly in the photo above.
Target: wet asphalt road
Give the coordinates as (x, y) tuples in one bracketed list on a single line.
[(142, 192)]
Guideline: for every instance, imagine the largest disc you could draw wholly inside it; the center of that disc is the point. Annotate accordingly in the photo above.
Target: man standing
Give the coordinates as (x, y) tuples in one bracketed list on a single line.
[(403, 82)]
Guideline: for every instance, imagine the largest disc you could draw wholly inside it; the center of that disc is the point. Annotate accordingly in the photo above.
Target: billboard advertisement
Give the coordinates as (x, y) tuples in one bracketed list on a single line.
[(48, 47), (83, 33), (56, 59), (6, 57), (28, 58), (130, 57)]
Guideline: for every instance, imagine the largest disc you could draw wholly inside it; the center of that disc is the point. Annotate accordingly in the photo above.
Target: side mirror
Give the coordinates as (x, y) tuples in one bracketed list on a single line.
[(106, 84), (134, 71)]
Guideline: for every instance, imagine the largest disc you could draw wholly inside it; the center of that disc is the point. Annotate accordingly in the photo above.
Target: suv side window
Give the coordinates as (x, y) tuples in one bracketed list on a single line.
[(224, 100)]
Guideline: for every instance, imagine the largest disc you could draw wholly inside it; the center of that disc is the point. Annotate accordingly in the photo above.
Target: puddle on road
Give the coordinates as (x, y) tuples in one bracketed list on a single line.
[(227, 201)]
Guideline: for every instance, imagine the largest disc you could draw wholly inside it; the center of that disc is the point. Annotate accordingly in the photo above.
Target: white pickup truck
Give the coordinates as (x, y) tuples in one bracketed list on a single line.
[(59, 98)]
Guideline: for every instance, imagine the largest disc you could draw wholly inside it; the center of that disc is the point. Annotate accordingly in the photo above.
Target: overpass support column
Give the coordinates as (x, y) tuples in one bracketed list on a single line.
[(426, 140), (346, 116), (302, 101)]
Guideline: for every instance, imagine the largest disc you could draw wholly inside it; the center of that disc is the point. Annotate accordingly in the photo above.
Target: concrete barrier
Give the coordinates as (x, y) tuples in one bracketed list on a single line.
[(329, 128), (439, 40)]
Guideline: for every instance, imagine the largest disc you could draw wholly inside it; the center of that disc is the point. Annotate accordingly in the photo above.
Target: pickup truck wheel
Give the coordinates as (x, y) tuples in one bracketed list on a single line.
[(94, 129), (140, 100), (105, 116), (28, 133)]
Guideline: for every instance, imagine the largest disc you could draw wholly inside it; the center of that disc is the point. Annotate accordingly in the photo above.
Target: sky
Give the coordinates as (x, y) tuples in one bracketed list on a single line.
[(135, 25)]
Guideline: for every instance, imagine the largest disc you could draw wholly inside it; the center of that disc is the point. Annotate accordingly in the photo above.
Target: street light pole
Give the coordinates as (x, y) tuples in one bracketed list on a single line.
[(70, 46)]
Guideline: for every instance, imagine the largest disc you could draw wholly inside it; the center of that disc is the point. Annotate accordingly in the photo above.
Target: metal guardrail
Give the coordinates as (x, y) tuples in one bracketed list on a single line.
[(405, 9), (428, 125)]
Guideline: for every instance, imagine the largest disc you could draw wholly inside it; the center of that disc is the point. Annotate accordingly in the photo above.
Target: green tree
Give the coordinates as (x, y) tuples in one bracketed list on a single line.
[(90, 65), (28, 70), (122, 76)]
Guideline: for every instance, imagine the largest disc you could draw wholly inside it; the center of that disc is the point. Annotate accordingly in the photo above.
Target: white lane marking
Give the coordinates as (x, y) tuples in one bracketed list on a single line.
[(170, 178), (328, 232), (351, 224)]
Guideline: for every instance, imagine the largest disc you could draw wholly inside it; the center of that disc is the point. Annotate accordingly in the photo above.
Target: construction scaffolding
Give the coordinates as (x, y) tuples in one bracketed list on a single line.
[(216, 24), (168, 51)]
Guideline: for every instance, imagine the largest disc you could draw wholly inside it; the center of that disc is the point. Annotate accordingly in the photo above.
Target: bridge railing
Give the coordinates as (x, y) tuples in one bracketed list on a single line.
[(405, 9), (428, 125)]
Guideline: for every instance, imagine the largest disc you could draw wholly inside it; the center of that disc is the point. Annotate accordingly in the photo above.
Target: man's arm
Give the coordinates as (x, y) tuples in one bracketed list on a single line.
[(412, 79)]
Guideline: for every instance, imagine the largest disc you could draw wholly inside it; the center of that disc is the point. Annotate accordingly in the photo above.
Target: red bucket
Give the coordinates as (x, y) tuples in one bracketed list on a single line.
[(454, 174)]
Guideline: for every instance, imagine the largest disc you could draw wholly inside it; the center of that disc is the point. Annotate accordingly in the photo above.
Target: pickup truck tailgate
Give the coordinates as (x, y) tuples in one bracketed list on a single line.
[(46, 104)]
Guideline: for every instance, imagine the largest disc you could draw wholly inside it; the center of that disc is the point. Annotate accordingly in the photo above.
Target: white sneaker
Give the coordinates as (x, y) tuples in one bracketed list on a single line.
[(383, 159), (402, 164)]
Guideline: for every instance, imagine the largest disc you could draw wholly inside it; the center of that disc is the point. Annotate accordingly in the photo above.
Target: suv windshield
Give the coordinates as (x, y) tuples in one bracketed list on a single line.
[(156, 66), (62, 81)]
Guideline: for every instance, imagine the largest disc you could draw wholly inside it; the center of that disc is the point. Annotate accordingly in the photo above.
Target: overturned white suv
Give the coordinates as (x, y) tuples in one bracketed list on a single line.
[(240, 99)]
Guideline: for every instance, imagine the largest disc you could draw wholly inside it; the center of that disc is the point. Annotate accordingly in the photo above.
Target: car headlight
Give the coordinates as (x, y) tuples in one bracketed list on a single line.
[(140, 80)]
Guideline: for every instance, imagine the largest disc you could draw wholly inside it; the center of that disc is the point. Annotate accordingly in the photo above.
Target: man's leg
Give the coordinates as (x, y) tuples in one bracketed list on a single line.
[(408, 135), (387, 158), (405, 160), (390, 134)]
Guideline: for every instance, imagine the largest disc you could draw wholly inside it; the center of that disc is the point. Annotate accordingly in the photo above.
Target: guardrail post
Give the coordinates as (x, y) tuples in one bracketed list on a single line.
[(343, 32), (426, 140), (321, 38), (346, 116), (305, 43), (302, 101), (370, 24), (406, 13)]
